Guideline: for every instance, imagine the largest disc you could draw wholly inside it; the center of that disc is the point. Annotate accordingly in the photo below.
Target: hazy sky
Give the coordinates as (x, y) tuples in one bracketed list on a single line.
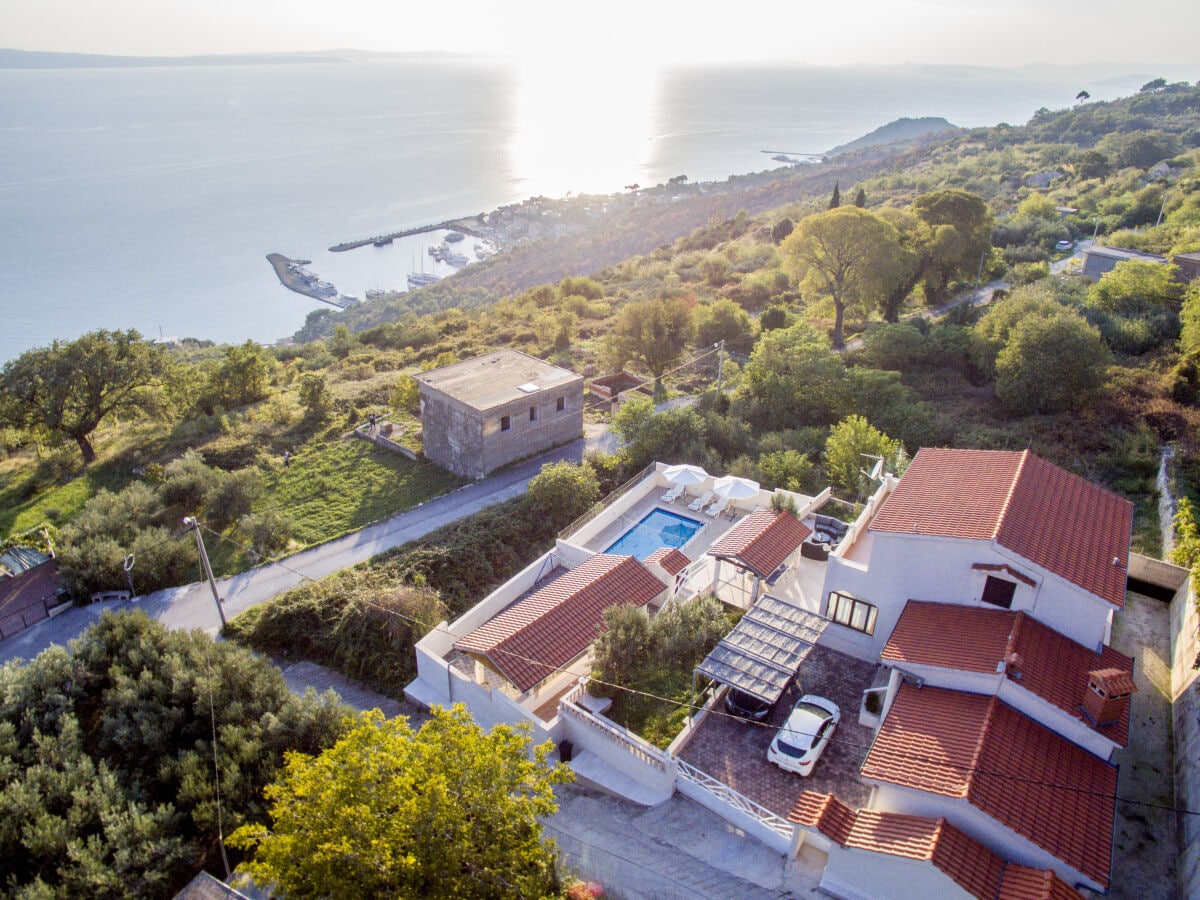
[(995, 32)]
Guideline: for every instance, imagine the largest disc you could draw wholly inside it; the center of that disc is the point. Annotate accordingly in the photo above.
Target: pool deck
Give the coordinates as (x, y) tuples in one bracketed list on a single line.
[(712, 529)]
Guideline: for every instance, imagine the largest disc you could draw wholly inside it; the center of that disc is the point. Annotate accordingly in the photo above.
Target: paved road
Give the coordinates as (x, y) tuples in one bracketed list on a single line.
[(192, 606)]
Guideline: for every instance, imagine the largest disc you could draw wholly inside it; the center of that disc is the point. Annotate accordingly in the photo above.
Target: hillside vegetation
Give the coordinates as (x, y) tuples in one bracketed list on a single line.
[(654, 287)]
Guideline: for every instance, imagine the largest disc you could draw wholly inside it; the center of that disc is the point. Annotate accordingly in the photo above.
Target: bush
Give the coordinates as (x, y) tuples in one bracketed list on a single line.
[(358, 621), (654, 658), (269, 532), (108, 784)]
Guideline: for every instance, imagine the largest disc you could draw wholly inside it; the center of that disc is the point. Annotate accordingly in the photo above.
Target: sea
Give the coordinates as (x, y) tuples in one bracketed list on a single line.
[(149, 197)]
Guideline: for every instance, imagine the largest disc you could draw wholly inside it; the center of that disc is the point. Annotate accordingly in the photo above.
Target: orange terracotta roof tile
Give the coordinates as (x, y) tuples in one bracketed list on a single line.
[(556, 623), (825, 812), (950, 636), (762, 541), (977, 639), (671, 559), (1058, 521), (1023, 775), (1026, 883)]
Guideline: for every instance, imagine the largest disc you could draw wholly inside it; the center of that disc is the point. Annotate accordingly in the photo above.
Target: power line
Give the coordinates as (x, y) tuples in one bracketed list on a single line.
[(693, 709)]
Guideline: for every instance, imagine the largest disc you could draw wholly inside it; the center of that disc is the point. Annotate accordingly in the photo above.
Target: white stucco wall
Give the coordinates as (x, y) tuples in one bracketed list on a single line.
[(1011, 692), (867, 875), (906, 567), (977, 824)]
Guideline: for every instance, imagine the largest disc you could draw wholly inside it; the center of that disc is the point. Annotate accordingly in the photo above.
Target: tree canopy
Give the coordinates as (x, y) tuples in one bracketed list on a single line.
[(846, 254), (654, 332), (793, 377), (67, 389), (446, 811), (107, 756)]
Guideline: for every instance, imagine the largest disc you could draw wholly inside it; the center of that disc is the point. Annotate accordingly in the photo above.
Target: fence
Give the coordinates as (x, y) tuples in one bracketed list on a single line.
[(641, 751), (773, 830), (604, 504)]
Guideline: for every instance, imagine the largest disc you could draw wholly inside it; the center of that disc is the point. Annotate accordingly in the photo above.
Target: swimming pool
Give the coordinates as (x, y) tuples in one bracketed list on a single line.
[(657, 529)]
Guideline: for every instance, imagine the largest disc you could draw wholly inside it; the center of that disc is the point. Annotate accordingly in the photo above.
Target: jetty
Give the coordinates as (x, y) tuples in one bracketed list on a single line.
[(293, 276), (462, 225)]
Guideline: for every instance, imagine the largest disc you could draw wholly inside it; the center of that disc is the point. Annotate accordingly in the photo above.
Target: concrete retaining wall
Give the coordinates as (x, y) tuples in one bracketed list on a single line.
[(1185, 689)]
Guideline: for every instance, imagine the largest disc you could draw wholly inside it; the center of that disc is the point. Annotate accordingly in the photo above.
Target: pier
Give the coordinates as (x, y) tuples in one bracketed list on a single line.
[(293, 276), (466, 226)]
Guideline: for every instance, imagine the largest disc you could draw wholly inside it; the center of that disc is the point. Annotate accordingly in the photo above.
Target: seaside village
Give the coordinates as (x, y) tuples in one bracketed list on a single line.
[(921, 702)]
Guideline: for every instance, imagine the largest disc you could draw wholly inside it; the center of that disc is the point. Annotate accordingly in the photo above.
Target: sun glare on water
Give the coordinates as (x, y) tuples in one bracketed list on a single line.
[(582, 127)]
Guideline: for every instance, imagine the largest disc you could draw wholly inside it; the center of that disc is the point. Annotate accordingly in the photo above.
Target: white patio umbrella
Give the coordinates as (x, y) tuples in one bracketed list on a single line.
[(685, 474), (732, 487)]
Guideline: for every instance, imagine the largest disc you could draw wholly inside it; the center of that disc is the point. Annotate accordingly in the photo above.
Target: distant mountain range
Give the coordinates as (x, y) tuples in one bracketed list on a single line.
[(899, 130), (28, 59)]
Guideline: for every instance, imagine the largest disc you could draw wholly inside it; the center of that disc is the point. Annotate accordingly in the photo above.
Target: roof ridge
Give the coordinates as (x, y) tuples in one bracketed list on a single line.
[(1012, 489), (980, 741), (1014, 634)]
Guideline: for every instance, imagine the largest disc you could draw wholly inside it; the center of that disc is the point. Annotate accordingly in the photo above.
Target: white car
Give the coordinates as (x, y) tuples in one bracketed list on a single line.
[(805, 735)]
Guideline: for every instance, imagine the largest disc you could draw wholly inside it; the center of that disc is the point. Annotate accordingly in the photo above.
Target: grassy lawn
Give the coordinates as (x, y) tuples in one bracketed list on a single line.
[(340, 485), (57, 504)]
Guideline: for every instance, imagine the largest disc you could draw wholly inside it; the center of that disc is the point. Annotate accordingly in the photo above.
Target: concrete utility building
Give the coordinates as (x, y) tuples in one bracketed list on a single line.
[(483, 413)]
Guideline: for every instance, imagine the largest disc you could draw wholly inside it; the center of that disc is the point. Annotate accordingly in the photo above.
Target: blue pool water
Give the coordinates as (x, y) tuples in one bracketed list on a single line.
[(657, 529)]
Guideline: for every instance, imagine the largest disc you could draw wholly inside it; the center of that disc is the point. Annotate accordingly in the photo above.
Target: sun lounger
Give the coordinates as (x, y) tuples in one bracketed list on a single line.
[(699, 502), (673, 494), (717, 508)]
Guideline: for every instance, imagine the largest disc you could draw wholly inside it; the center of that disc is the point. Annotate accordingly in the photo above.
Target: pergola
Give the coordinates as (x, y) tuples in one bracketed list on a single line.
[(764, 651)]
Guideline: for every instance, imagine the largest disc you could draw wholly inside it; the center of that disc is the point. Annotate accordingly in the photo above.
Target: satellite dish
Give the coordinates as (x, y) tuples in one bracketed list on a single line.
[(876, 472)]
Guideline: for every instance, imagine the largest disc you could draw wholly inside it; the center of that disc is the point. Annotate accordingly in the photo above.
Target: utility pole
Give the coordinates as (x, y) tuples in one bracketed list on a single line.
[(979, 274), (194, 526), (720, 348)]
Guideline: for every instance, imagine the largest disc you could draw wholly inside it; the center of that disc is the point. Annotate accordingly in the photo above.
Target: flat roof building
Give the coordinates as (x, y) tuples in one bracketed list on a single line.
[(486, 412)]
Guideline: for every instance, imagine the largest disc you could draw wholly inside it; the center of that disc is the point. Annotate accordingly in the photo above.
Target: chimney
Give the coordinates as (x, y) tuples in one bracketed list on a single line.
[(1012, 665), (1107, 696)]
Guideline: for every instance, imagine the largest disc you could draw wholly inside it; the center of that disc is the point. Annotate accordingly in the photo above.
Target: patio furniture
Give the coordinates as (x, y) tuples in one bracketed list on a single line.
[(699, 503), (673, 494), (717, 508)]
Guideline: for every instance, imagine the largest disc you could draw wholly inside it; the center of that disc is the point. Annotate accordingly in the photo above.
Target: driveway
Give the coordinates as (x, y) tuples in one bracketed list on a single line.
[(192, 606), (735, 752)]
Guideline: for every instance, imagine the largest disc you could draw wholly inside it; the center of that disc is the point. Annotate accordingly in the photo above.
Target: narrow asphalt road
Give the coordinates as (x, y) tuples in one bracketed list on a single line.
[(192, 606)]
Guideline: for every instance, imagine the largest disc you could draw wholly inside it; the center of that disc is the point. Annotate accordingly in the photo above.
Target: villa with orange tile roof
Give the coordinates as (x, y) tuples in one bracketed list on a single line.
[(984, 528), (1011, 784), (544, 632), (983, 582), (882, 854)]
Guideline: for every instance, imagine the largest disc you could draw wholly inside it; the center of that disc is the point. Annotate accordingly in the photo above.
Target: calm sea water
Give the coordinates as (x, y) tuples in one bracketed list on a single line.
[(148, 198)]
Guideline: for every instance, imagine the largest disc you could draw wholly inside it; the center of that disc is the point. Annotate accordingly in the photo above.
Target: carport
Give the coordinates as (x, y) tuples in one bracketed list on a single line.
[(765, 649)]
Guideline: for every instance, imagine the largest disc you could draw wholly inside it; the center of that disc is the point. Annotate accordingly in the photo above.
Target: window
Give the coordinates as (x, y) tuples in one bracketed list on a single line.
[(560, 404), (533, 414), (853, 613), (999, 592), (505, 423)]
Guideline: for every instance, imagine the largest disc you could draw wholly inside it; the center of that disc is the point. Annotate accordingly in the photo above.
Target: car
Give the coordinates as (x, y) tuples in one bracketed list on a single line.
[(747, 706), (798, 745), (1065, 245)]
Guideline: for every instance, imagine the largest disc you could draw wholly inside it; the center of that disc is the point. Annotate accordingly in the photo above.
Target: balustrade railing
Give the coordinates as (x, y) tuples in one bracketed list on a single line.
[(740, 802)]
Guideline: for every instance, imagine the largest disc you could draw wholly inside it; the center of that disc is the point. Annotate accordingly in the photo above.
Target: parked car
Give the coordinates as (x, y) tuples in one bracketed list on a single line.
[(804, 736), (1064, 245), (747, 706)]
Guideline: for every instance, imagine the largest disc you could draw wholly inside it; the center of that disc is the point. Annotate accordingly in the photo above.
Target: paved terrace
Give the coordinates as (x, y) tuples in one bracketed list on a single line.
[(735, 751)]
